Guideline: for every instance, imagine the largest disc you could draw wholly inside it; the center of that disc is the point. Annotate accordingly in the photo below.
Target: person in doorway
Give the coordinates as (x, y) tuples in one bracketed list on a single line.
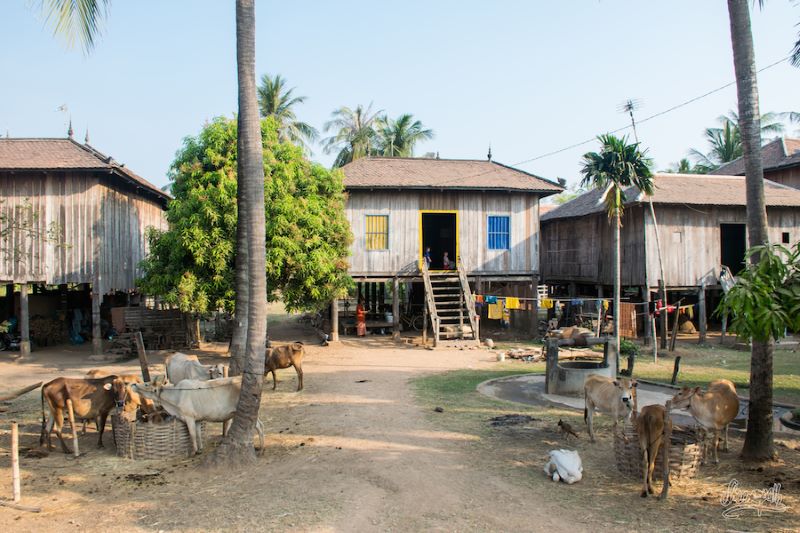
[(427, 256), (446, 263), (361, 318)]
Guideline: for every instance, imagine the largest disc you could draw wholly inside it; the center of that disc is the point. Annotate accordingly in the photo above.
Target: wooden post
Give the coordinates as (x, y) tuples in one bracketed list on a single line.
[(335, 320), (396, 308), (97, 335), (675, 327), (675, 370), (663, 322), (652, 320), (424, 317), (76, 451), (552, 366), (24, 321), (648, 331), (701, 312), (137, 337), (15, 462), (724, 329)]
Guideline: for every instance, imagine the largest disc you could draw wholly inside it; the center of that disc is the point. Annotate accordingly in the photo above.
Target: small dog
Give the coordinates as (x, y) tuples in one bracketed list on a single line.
[(566, 429)]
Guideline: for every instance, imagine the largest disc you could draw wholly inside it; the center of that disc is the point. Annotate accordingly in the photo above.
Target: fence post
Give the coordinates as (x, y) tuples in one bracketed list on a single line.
[(137, 337)]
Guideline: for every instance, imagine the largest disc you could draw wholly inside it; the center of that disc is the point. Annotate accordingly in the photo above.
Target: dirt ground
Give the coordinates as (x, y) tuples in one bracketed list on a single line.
[(357, 450)]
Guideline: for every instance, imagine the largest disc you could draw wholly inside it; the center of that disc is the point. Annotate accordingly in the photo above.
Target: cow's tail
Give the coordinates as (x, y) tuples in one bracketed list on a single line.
[(44, 421), (585, 413)]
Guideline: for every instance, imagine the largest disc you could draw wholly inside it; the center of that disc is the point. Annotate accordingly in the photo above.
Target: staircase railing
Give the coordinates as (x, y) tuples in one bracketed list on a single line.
[(430, 302), (470, 301)]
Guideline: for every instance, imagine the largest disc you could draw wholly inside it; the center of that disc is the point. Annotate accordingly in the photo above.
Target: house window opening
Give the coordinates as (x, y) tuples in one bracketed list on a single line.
[(733, 246), (377, 232), (785, 237), (498, 232)]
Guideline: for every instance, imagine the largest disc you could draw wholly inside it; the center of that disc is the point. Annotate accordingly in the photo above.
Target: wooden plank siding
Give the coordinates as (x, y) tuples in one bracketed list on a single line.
[(581, 249), (403, 208), (789, 176), (103, 227)]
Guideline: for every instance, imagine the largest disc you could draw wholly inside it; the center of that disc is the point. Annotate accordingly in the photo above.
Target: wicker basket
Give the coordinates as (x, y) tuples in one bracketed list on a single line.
[(684, 454), (152, 440)]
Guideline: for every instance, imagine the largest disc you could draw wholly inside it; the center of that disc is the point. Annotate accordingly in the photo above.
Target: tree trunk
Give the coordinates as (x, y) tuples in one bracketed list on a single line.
[(617, 278), (237, 445), (239, 338), (758, 443)]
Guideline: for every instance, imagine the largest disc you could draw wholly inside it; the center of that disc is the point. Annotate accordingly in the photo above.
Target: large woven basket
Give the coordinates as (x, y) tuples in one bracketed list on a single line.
[(684, 454), (152, 440)]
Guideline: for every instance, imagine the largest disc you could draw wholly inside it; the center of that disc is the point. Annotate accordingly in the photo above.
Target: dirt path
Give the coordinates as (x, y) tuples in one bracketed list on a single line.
[(352, 452)]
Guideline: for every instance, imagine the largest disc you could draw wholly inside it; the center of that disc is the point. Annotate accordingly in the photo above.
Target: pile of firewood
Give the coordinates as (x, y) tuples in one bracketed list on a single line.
[(46, 331)]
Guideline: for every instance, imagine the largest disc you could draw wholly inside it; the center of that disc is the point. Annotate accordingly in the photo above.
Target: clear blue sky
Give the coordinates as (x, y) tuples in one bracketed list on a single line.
[(528, 77)]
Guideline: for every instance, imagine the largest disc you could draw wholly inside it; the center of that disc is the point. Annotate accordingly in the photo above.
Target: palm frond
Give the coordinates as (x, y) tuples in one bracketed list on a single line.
[(76, 20)]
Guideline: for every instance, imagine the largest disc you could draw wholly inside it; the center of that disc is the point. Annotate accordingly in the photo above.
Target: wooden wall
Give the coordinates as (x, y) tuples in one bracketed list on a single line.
[(690, 239), (102, 226), (786, 176), (581, 249), (473, 208)]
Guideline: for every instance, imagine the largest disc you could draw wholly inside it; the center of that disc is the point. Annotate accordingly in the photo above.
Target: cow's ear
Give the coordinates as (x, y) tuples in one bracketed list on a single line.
[(697, 390), (107, 386), (616, 383), (634, 383)]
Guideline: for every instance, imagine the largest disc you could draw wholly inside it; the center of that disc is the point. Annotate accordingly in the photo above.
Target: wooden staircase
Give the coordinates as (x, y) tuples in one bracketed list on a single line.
[(450, 305)]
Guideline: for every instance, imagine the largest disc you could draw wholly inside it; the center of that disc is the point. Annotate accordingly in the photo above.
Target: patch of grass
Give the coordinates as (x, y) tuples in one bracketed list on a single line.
[(700, 365)]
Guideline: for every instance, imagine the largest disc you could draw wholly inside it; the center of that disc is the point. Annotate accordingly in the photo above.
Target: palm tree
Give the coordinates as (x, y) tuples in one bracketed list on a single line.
[(396, 138), (684, 166), (237, 444), (617, 166), (353, 133), (274, 99), (758, 442), (726, 142)]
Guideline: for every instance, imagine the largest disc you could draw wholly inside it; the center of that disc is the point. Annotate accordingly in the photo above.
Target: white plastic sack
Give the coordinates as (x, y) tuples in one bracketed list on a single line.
[(564, 465)]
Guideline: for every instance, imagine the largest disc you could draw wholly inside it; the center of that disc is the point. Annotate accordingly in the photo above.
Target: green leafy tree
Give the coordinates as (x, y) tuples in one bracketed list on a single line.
[(684, 166), (397, 137), (353, 134), (616, 167), (307, 235), (276, 100)]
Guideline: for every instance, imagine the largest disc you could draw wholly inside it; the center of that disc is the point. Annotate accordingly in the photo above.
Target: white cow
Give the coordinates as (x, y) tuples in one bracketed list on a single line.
[(195, 401), (180, 366), (615, 397), (564, 465)]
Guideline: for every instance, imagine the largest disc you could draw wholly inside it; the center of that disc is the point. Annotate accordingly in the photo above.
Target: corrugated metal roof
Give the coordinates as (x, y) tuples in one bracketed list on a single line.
[(425, 173), (64, 154), (687, 189), (778, 153)]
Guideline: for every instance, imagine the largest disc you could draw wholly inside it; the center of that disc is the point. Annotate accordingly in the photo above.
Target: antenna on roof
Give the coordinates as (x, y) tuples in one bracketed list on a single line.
[(629, 106), (86, 138), (489, 155), (70, 131)]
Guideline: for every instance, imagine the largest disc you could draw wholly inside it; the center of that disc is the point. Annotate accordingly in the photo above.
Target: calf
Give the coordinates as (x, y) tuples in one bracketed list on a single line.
[(284, 357), (194, 401), (654, 427), (180, 366), (714, 410), (610, 396), (92, 399), (125, 399)]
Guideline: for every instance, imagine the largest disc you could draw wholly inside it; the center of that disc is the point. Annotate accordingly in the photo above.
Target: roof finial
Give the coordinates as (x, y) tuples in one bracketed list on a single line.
[(86, 139), (70, 132), (489, 155)]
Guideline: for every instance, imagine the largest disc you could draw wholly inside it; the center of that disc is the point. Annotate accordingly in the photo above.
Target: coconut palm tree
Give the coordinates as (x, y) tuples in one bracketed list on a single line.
[(353, 133), (726, 142), (758, 442), (76, 20), (616, 167), (275, 99), (396, 138)]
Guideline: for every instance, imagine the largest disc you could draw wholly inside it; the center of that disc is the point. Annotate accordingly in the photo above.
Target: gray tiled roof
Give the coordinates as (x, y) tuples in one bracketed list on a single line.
[(425, 173), (687, 189)]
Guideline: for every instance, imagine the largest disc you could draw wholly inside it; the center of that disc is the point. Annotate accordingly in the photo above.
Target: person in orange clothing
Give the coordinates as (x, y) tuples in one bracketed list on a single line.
[(361, 319)]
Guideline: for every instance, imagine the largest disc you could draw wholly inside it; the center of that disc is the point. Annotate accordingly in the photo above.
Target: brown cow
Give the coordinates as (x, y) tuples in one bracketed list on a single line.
[(612, 396), (714, 410), (653, 425), (125, 398), (91, 399), (284, 357)]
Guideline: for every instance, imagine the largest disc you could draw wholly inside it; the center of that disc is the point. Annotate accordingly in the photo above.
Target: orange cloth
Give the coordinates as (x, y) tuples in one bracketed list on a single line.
[(361, 321)]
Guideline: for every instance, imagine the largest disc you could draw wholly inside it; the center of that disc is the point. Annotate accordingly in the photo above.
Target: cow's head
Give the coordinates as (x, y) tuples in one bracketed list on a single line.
[(625, 388), (150, 391), (216, 371), (120, 391), (684, 397), (297, 347)]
